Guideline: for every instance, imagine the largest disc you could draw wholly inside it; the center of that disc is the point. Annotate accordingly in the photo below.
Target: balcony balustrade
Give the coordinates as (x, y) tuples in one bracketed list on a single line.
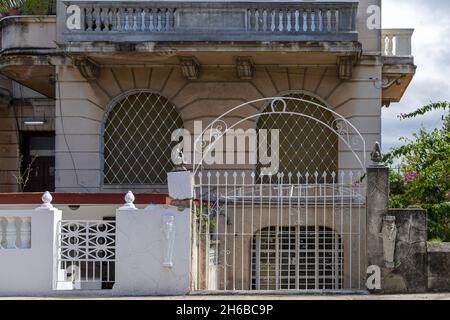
[(396, 42), (15, 232), (122, 21)]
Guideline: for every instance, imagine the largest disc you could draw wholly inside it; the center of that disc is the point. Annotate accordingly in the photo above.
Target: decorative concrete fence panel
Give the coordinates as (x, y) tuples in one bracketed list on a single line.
[(152, 250), (28, 250)]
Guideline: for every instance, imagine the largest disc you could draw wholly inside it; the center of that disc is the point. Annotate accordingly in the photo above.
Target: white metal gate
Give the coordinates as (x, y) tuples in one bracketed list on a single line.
[(299, 230), (86, 254), (284, 236)]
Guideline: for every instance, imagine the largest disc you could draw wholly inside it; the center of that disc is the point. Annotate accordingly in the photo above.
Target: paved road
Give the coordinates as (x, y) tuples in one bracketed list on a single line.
[(441, 296)]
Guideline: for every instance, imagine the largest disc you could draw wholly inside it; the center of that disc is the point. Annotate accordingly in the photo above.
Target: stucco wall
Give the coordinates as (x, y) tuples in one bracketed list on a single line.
[(28, 32), (369, 38), (9, 150), (12, 118), (81, 106), (410, 272)]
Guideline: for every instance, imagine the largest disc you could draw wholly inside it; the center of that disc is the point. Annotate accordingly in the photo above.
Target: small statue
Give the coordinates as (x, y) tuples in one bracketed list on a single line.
[(389, 234), (376, 155), (168, 227), (182, 159)]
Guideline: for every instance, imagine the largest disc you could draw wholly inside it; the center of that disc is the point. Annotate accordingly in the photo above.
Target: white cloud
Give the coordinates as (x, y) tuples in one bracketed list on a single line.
[(431, 50)]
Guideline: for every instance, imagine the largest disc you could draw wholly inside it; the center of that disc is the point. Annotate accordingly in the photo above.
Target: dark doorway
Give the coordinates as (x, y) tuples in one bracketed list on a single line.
[(38, 149)]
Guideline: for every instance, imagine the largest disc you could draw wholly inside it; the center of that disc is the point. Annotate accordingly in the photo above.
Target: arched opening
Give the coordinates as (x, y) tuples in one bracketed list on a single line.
[(137, 139), (306, 145), (297, 258)]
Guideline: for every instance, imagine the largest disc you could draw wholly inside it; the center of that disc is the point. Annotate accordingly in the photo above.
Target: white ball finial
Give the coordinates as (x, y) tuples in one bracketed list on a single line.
[(129, 202), (129, 198), (46, 201), (47, 198)]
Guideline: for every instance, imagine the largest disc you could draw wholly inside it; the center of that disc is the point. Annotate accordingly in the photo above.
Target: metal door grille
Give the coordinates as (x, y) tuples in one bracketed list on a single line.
[(296, 258)]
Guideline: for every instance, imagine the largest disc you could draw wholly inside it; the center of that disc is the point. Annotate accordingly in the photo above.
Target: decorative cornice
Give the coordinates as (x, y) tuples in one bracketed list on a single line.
[(190, 67), (88, 68), (345, 67), (389, 81), (245, 68)]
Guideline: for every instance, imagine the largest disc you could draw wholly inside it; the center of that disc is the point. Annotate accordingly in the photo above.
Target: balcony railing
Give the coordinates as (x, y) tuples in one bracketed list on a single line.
[(137, 21), (396, 42)]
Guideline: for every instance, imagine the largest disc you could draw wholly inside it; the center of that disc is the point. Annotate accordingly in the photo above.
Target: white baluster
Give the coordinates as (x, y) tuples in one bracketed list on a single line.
[(264, 19), (281, 21), (297, 21), (390, 45), (89, 19), (97, 19), (139, 17), (11, 233), (272, 21), (25, 233), (1, 232), (257, 20)]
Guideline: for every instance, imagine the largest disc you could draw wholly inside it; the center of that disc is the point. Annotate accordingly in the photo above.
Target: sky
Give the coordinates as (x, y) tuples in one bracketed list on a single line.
[(431, 51)]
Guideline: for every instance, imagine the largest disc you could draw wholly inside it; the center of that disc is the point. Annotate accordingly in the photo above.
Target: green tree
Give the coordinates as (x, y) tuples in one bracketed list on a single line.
[(7, 5), (423, 177), (35, 7)]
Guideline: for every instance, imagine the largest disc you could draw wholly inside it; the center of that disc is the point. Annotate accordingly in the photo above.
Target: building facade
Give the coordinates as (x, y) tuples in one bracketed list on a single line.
[(92, 96)]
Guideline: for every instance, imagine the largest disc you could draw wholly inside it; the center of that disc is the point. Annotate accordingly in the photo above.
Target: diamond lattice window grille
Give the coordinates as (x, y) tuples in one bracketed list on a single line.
[(306, 145), (137, 140)]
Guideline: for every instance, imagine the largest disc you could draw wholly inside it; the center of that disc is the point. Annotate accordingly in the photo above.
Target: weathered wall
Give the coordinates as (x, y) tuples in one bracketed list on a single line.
[(9, 149), (12, 117), (396, 240), (28, 32), (410, 272), (439, 267)]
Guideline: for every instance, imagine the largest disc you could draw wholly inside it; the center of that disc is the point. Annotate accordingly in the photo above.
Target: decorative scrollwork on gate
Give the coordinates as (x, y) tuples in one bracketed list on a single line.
[(298, 115)]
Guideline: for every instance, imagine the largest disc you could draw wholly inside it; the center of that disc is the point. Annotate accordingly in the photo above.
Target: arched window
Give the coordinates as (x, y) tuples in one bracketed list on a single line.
[(137, 139), (306, 144)]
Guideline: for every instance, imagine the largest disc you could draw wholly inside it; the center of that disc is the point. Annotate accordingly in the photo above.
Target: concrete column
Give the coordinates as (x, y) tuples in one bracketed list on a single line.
[(377, 208)]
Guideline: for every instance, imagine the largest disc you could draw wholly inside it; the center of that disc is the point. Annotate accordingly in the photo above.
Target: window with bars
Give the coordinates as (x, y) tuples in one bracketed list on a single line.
[(137, 139), (306, 144), (297, 258)]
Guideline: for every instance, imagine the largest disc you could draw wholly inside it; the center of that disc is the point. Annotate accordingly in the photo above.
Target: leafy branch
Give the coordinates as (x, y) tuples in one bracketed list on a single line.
[(441, 105), (23, 177)]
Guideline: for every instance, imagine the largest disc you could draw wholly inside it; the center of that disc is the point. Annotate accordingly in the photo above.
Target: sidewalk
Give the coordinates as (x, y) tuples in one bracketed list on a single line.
[(431, 296)]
